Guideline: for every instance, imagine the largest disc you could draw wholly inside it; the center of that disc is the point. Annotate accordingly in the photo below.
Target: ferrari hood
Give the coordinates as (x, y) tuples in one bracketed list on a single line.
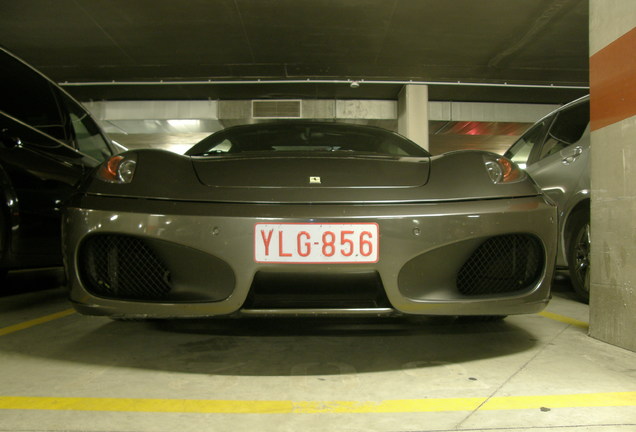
[(310, 179), (316, 172)]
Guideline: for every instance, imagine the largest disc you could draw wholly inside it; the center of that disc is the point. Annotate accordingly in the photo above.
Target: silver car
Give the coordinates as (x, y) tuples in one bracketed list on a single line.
[(301, 218), (555, 153)]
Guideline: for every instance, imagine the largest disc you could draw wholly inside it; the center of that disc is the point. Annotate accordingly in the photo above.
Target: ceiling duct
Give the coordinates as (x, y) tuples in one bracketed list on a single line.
[(275, 109)]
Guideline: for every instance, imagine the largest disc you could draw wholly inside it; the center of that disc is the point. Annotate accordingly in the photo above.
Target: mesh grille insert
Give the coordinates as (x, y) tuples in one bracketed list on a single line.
[(502, 264), (123, 267)]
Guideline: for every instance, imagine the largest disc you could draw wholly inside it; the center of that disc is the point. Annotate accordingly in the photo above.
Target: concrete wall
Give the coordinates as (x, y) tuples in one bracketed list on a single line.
[(413, 114), (488, 112), (613, 218), (177, 125)]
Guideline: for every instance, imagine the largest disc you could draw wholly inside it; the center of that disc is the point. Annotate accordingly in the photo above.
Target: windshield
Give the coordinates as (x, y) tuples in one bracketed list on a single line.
[(315, 138)]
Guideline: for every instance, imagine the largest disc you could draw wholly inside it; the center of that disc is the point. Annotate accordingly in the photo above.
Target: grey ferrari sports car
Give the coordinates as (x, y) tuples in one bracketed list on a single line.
[(307, 218)]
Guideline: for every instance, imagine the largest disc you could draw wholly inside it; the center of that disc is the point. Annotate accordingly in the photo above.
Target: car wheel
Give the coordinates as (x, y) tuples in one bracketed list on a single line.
[(579, 256)]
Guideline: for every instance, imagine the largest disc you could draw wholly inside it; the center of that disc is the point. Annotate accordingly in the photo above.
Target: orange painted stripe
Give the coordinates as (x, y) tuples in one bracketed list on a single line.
[(613, 82)]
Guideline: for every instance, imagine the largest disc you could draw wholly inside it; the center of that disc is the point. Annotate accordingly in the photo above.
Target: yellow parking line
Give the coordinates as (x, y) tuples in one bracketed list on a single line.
[(564, 319), (623, 399), (585, 400), (27, 324)]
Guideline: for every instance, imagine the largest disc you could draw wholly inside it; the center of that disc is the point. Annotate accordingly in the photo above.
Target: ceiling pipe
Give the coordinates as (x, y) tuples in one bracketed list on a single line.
[(350, 82)]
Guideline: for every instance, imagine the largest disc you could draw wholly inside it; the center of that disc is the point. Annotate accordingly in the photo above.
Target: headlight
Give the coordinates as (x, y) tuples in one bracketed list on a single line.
[(503, 170), (118, 169)]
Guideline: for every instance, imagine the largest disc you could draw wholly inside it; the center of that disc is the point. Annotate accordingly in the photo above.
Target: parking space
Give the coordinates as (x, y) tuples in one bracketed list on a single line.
[(62, 371)]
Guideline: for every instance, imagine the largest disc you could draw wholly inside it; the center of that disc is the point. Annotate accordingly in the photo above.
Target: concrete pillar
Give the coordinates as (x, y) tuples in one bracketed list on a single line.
[(613, 151), (413, 114)]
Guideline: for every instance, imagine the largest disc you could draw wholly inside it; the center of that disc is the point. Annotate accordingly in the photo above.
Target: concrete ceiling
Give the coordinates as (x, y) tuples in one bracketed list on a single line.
[(304, 42)]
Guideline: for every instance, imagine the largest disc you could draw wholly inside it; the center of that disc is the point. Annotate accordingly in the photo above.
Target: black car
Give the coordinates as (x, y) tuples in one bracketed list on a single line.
[(48, 142)]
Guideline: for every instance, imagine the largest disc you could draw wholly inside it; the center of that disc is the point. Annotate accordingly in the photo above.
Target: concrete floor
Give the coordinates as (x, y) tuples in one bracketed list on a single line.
[(60, 371)]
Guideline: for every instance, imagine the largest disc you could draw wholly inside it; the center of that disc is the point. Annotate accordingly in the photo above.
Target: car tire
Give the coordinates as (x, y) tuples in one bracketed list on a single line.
[(578, 255)]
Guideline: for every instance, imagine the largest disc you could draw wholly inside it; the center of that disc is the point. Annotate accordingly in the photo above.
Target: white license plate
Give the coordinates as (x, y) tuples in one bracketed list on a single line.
[(316, 243)]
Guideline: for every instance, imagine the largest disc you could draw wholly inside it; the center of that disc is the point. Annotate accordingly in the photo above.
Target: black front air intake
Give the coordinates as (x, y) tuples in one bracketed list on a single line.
[(316, 291), (122, 267), (502, 264)]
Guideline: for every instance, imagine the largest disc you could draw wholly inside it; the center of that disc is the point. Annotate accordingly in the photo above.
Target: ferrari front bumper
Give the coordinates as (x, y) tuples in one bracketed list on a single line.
[(205, 253)]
